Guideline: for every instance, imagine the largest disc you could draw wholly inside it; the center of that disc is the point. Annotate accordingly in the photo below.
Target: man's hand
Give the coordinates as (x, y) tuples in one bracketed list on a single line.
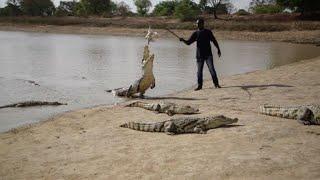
[(219, 53), (181, 39)]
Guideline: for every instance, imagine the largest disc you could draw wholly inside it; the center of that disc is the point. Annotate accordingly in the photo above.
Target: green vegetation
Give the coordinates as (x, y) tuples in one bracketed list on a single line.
[(165, 8), (186, 10), (37, 7), (267, 9), (143, 6), (242, 12), (66, 8)]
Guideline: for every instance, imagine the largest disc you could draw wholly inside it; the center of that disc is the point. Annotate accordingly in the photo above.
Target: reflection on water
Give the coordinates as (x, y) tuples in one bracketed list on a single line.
[(78, 68)]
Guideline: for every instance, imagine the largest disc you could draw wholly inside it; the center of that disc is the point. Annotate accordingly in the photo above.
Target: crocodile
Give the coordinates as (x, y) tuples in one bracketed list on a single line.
[(182, 125), (32, 103), (165, 107), (305, 114), (142, 84)]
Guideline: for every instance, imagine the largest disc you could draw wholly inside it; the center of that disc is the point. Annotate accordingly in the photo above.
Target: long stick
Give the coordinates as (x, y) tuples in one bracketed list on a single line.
[(173, 33)]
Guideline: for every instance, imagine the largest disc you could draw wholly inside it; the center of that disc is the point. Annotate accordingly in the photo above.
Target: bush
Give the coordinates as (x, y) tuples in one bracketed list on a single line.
[(186, 10), (165, 8), (242, 12), (37, 7), (267, 9)]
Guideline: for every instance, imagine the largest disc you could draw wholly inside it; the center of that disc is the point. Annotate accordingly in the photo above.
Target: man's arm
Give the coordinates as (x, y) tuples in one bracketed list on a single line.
[(191, 40), (215, 42)]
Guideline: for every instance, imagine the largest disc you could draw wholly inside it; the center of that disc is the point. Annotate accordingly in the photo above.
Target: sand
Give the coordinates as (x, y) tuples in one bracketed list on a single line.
[(89, 144)]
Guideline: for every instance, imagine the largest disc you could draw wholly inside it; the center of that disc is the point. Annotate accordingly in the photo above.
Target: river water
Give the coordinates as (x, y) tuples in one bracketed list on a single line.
[(76, 69)]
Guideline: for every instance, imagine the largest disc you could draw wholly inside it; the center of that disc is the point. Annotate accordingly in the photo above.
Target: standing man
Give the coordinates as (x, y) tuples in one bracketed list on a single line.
[(204, 54)]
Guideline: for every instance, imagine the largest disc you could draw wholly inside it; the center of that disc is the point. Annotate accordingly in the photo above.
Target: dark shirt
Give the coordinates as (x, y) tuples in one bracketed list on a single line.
[(203, 38)]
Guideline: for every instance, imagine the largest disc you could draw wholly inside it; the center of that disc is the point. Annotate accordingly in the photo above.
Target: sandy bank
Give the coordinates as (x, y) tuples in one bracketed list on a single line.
[(90, 144), (304, 36)]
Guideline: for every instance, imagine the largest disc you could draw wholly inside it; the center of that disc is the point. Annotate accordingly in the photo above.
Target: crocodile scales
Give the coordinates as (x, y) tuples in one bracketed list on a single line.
[(165, 107), (32, 103), (305, 114), (146, 81), (182, 125)]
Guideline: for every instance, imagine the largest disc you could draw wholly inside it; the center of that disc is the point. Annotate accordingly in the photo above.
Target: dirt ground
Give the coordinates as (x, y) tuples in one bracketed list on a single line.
[(89, 144)]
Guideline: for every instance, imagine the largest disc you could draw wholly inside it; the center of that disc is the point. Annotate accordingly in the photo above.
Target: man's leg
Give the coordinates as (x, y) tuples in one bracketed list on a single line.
[(213, 73), (200, 63)]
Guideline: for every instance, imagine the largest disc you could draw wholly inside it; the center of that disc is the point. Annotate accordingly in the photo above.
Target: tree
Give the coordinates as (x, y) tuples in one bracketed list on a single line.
[(12, 9), (93, 7), (186, 10), (143, 6), (220, 5), (37, 7), (165, 8), (305, 7), (203, 5), (122, 9), (66, 8)]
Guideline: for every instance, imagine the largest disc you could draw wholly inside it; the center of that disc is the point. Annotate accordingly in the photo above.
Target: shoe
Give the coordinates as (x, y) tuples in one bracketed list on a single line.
[(218, 86), (198, 88)]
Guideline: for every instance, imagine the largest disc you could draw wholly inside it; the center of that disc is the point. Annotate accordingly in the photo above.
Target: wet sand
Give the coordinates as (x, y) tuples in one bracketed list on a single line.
[(303, 36), (90, 144)]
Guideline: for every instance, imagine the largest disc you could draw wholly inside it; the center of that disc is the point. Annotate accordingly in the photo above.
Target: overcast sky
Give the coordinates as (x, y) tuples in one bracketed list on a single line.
[(239, 4)]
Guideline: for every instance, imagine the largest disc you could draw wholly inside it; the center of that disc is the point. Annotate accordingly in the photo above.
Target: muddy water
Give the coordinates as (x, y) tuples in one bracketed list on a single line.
[(76, 69)]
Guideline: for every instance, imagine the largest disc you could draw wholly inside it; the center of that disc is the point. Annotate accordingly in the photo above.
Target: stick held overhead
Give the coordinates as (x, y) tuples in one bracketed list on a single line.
[(173, 33)]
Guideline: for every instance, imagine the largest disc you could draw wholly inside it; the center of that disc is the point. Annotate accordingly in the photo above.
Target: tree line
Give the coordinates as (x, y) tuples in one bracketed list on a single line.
[(182, 9)]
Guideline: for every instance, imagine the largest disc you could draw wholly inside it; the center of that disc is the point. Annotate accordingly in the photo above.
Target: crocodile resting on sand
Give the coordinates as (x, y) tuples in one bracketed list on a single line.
[(165, 107), (32, 103), (142, 84), (305, 114), (182, 125)]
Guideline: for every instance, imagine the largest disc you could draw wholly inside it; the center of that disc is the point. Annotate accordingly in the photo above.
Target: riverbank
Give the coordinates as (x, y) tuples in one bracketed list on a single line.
[(293, 36), (90, 144)]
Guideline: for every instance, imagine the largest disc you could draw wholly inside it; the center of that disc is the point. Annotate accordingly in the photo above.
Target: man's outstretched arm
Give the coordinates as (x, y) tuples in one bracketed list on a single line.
[(191, 40), (215, 42)]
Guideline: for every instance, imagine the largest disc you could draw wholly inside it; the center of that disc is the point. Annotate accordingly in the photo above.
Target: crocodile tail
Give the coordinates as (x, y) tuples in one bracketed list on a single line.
[(147, 127), (271, 110), (135, 104)]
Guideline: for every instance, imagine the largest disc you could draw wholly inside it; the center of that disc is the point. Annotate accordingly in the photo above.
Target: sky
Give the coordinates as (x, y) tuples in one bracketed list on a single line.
[(239, 4)]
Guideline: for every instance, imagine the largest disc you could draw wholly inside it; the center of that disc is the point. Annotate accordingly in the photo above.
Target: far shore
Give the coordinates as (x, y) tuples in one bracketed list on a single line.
[(292, 36)]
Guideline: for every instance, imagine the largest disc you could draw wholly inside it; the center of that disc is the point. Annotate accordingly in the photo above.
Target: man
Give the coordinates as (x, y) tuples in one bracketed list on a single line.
[(204, 54)]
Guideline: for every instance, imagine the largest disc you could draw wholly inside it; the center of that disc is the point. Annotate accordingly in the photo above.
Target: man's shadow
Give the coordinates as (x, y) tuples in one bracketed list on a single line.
[(262, 87)]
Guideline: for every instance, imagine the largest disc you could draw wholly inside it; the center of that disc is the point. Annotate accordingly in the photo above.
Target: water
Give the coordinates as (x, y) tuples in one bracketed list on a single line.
[(76, 69)]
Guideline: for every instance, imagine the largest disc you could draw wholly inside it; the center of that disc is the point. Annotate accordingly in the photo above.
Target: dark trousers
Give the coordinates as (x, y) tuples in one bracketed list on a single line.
[(209, 62)]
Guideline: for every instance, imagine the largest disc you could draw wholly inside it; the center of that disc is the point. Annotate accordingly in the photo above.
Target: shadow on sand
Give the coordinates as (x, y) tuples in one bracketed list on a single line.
[(168, 97), (262, 87)]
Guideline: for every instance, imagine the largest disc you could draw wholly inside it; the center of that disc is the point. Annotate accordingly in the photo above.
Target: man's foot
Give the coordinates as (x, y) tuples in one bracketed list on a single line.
[(218, 86), (198, 88)]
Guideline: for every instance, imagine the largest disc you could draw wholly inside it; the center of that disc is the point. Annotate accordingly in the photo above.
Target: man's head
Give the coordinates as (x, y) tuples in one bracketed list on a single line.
[(200, 23)]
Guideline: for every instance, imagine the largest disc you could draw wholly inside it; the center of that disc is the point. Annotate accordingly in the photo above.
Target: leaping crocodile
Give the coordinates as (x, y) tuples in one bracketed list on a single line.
[(182, 125), (165, 107), (305, 114), (145, 82)]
